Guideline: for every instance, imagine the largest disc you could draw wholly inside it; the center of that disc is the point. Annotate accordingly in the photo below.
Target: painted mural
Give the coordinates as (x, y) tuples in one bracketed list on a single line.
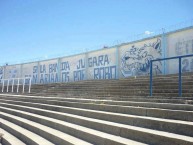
[(102, 65), (130, 59), (1, 73), (136, 60), (12, 71), (73, 68), (180, 43)]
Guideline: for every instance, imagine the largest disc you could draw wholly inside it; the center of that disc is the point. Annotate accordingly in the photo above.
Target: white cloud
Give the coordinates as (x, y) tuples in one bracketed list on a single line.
[(148, 32), (46, 56)]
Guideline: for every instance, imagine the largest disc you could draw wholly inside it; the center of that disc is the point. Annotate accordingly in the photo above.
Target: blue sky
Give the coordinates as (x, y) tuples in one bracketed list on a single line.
[(31, 29)]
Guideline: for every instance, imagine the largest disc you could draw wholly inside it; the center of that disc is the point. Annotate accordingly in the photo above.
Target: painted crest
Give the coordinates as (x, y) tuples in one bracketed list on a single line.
[(136, 61)]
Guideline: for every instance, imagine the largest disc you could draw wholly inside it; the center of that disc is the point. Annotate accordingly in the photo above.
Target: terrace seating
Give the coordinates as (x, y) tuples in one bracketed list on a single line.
[(102, 112)]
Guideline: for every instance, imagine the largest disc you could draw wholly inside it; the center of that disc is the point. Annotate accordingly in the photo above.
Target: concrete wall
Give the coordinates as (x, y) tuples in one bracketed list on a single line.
[(180, 43), (130, 59)]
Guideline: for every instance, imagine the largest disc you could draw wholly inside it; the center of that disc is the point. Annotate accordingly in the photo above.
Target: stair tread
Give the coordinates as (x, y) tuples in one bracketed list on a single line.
[(173, 106), (11, 139), (151, 131), (61, 135), (76, 127), (105, 112), (36, 138)]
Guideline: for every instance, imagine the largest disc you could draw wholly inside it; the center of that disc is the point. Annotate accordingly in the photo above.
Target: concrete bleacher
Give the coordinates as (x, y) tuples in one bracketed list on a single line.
[(102, 112), (133, 86)]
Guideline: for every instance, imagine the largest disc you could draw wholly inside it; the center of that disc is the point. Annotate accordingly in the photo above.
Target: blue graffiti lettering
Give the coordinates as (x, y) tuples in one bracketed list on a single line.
[(35, 69), (65, 66), (47, 78), (81, 64), (65, 77), (53, 67), (35, 78), (43, 68), (105, 72), (79, 75), (101, 60)]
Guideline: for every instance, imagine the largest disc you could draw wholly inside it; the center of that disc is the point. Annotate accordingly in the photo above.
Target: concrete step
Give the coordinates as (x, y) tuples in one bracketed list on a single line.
[(119, 98), (92, 99), (9, 139), (24, 135), (96, 137), (168, 125), (55, 136), (127, 131), (104, 115), (92, 103)]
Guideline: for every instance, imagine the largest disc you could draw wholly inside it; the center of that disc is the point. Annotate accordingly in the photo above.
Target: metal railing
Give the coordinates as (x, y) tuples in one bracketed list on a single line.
[(16, 82), (179, 73)]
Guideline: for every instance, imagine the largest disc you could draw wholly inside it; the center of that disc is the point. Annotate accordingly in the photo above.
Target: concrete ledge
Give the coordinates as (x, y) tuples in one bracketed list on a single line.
[(151, 112), (26, 136), (179, 127), (9, 139), (90, 135)]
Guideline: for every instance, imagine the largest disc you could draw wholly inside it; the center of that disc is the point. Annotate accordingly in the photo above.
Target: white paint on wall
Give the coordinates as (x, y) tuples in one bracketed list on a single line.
[(73, 68), (48, 71), (102, 64), (135, 57), (132, 59), (180, 43)]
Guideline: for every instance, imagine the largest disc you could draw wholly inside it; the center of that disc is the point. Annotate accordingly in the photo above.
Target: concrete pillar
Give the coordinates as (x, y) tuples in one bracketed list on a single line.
[(86, 65), (38, 64), (117, 56), (59, 70), (164, 52), (21, 71)]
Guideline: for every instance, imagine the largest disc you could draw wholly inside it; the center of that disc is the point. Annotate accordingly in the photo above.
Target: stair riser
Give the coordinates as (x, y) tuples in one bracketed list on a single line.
[(141, 136), (159, 125), (77, 133), (19, 135), (95, 103)]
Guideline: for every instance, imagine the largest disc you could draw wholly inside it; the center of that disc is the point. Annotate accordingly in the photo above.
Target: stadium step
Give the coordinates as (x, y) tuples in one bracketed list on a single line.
[(25, 135), (100, 112), (55, 136), (9, 139), (90, 135), (130, 123)]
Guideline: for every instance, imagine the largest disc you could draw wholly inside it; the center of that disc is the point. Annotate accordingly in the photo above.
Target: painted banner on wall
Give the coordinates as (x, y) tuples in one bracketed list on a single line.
[(48, 71), (125, 60), (30, 70), (12, 71), (135, 58), (180, 43), (1, 73), (102, 64), (73, 68)]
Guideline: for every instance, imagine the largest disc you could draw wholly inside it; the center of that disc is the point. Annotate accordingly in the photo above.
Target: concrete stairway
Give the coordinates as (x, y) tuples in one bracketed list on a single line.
[(63, 120), (162, 86), (100, 112), (118, 89)]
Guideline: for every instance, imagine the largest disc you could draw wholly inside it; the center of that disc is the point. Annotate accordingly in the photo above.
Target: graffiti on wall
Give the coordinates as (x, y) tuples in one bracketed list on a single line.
[(65, 71), (1, 73), (80, 72), (102, 67), (73, 69), (183, 48), (136, 61), (45, 73), (13, 73), (103, 64)]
